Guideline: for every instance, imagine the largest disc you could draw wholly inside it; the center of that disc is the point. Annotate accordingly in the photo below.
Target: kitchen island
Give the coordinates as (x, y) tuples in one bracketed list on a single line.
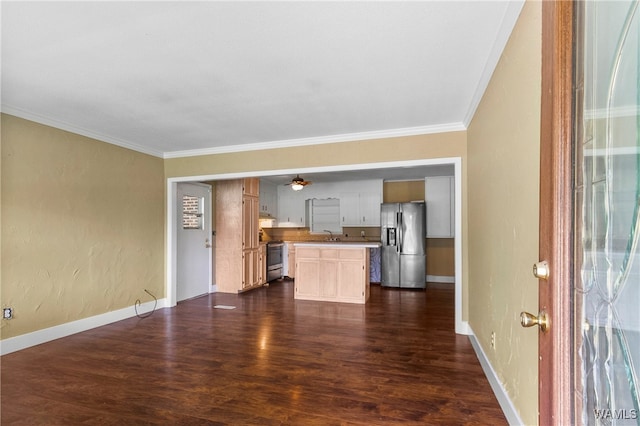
[(333, 271)]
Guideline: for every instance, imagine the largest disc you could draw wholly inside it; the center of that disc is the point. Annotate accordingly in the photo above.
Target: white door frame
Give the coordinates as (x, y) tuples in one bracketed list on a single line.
[(461, 327)]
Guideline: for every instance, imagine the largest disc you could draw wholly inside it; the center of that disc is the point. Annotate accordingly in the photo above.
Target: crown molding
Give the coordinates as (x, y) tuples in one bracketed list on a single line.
[(287, 143), (319, 140), (502, 37), (58, 124)]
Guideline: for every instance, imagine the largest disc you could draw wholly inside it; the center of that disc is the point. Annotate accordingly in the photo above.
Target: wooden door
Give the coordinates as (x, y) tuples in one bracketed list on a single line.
[(351, 280), (328, 280), (250, 241), (308, 272), (262, 262), (590, 214), (251, 186), (250, 211), (556, 214), (251, 271)]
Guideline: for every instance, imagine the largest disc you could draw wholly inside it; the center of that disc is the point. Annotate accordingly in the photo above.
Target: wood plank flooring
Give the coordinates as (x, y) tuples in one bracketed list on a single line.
[(270, 361)]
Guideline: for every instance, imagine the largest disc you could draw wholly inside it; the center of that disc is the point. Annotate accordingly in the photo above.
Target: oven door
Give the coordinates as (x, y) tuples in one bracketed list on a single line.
[(274, 255), (274, 261)]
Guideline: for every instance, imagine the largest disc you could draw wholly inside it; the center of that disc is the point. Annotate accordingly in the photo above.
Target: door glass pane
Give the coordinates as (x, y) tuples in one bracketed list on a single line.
[(192, 210), (607, 214)]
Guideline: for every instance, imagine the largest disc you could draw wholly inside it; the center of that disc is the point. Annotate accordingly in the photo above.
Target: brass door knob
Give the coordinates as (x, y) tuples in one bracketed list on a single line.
[(529, 320), (541, 270)]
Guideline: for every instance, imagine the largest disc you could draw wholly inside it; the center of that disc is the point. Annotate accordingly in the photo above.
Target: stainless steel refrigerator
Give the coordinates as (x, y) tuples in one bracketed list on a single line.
[(403, 234)]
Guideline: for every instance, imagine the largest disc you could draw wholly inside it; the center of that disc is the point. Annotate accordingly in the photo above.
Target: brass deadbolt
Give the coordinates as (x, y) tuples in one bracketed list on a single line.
[(541, 270)]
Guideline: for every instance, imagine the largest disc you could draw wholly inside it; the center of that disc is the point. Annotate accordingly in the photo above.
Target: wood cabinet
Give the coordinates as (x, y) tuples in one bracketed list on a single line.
[(439, 195), (290, 262), (353, 275), (360, 209), (237, 245), (251, 187), (333, 274), (262, 264), (309, 270)]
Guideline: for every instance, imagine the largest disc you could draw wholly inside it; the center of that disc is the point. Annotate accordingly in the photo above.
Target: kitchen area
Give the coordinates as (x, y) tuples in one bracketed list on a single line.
[(325, 235)]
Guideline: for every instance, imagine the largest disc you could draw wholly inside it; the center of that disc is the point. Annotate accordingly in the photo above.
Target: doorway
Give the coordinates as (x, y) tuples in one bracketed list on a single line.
[(461, 326), (194, 240)]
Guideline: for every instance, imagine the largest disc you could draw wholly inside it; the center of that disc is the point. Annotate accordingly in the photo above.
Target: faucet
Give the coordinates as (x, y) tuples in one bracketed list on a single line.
[(331, 238)]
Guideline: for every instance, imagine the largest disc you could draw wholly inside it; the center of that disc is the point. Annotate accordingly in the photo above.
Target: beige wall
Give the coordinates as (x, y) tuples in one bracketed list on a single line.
[(503, 174), (403, 191), (441, 145), (82, 226), (440, 251)]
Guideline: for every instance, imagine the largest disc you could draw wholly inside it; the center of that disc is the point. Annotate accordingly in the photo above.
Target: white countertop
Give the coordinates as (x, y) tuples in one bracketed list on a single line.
[(353, 244)]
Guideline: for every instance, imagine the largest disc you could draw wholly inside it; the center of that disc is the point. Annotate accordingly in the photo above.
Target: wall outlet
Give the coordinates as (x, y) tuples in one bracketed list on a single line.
[(362, 234), (7, 313), (493, 340)]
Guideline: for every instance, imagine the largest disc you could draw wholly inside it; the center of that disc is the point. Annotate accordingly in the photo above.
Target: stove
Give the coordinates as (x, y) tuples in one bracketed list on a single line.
[(274, 260)]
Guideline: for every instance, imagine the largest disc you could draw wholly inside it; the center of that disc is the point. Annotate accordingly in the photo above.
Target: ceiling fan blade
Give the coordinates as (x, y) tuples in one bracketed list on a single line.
[(298, 183)]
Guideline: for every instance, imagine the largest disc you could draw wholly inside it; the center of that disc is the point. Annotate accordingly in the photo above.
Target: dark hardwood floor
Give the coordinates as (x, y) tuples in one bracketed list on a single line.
[(270, 361)]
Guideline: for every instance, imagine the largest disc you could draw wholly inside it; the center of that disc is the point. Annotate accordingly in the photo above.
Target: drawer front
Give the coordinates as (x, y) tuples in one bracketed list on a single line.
[(312, 252), (356, 254), (329, 253)]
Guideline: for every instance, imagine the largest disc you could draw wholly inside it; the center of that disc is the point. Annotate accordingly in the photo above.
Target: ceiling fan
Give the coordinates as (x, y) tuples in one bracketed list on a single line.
[(297, 183)]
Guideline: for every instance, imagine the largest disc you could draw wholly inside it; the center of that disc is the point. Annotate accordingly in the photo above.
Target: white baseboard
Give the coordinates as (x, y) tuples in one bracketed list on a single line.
[(440, 279), (28, 340), (508, 409), (463, 328)]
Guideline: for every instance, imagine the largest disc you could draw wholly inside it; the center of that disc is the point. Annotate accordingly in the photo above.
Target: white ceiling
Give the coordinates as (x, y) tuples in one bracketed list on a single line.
[(186, 78)]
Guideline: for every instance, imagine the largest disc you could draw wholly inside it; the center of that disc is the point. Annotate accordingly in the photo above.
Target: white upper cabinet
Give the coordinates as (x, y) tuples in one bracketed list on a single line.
[(370, 208), (268, 199), (439, 195), (361, 202), (360, 208), (291, 209)]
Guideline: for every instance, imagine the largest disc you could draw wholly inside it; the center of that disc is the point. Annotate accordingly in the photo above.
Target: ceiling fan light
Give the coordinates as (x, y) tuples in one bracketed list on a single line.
[(297, 186)]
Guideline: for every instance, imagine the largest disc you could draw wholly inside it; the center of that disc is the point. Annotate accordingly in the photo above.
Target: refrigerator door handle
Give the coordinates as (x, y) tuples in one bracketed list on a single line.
[(400, 231)]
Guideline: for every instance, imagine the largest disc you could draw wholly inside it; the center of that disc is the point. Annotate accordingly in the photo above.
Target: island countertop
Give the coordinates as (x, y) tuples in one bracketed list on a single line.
[(337, 244)]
